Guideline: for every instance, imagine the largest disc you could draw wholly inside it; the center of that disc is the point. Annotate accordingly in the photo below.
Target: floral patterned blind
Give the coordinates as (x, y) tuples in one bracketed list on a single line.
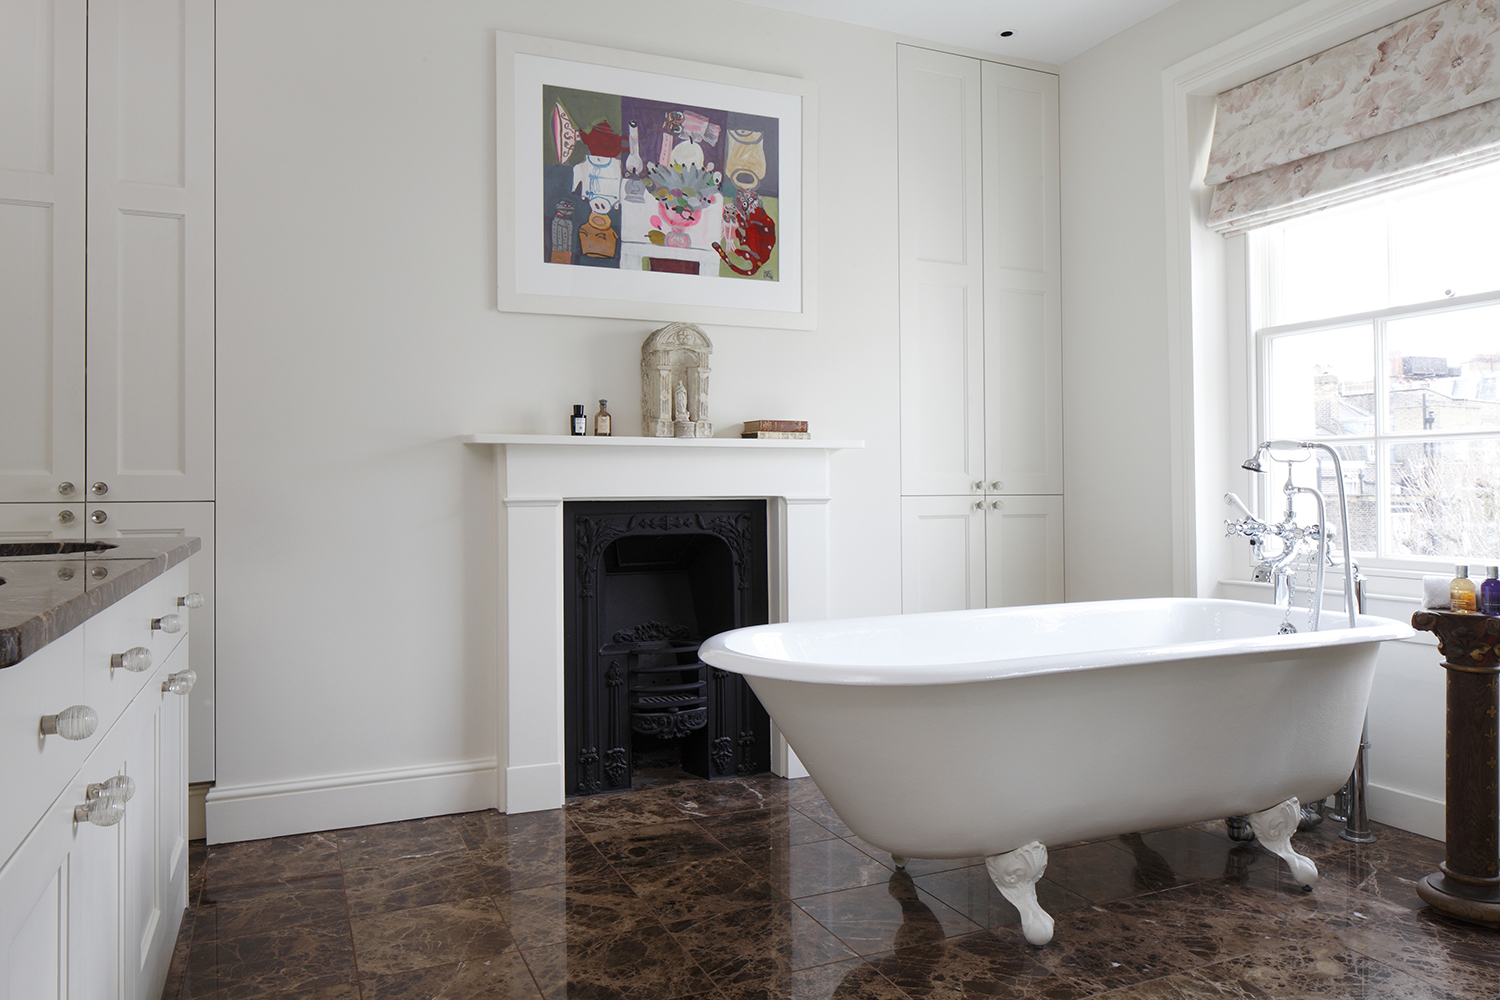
[(1400, 104)]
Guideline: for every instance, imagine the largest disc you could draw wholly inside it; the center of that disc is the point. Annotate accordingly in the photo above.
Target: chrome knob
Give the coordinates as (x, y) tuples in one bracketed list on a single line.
[(998, 505), (99, 489), (997, 486), (180, 683), (98, 517), (103, 811), (193, 600), (167, 623), (99, 572), (135, 659), (65, 516), (65, 572), (66, 489), (76, 722)]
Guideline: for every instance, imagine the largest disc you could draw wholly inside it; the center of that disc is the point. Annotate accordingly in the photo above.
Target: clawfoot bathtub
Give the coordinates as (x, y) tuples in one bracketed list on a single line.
[(992, 733)]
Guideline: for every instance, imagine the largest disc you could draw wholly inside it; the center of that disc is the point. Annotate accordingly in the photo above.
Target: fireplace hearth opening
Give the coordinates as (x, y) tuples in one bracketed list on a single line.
[(646, 583)]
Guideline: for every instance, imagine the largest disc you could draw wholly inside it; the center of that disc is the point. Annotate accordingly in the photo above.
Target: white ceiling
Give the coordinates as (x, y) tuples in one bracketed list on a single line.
[(1050, 31)]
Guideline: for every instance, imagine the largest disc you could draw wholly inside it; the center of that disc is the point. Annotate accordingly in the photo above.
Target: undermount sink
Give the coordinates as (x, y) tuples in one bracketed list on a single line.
[(10, 550)]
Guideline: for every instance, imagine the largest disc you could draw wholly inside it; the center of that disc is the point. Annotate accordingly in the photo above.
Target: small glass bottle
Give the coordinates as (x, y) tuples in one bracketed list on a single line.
[(1489, 591), (579, 425), (601, 420), (1461, 595)]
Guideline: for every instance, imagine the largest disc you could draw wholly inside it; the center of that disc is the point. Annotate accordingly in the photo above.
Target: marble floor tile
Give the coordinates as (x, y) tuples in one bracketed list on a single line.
[(400, 885), (986, 964), (816, 868), (915, 867), (635, 962), (800, 791), (491, 827), (759, 943), (650, 807), (496, 977), (879, 918), (364, 846), (972, 892), (700, 799), (1315, 968), (290, 960), (822, 813), (1461, 958), (437, 934), (259, 861), (1100, 872), (1193, 855), (550, 914), (258, 909), (764, 829), (692, 890), (643, 845), (1207, 921), (851, 980), (1109, 947), (510, 865)]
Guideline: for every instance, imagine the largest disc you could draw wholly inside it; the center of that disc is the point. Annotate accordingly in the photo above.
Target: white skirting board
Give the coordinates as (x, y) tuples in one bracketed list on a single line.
[(331, 802), (1407, 811)]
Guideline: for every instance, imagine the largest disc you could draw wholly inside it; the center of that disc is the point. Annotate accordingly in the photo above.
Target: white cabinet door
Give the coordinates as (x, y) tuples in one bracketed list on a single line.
[(41, 522), (43, 46), (1022, 285), (151, 249), (34, 896), (942, 553), (942, 272), (180, 520), (1024, 557)]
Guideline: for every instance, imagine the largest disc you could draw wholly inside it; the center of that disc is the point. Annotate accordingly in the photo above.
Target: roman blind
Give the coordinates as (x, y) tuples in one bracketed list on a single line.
[(1416, 99)]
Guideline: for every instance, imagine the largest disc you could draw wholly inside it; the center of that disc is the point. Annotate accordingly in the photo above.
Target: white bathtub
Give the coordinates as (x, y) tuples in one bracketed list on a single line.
[(991, 733)]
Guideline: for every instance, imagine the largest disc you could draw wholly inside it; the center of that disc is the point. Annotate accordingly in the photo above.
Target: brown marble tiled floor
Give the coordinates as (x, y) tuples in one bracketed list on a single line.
[(753, 890)]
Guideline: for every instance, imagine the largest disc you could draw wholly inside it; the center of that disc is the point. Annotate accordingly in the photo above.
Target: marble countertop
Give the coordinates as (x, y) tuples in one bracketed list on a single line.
[(47, 589)]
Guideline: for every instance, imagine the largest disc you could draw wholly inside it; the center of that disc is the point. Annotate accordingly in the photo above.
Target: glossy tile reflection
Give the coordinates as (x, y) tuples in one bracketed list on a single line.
[(752, 889)]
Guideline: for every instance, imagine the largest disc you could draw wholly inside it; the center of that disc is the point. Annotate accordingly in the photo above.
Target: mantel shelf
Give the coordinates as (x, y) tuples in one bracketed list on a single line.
[(645, 442)]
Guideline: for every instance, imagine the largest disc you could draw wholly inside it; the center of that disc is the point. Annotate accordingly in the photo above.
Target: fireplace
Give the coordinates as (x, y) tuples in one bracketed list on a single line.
[(646, 582), (537, 475)]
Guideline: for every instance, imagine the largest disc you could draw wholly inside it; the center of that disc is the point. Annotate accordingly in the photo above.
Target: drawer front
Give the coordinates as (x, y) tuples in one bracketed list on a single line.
[(35, 767), (122, 626)]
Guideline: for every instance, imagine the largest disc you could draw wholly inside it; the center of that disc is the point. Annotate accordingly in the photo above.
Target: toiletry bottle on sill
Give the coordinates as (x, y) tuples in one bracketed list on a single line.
[(1461, 592), (602, 420), (579, 424), (1489, 591)]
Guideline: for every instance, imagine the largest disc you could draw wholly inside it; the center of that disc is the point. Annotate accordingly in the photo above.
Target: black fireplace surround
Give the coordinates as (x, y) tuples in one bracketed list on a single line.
[(646, 582)]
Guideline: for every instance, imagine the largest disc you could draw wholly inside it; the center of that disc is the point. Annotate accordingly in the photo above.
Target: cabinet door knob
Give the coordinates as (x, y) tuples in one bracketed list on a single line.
[(102, 811), (167, 623), (66, 489), (193, 600), (979, 505), (998, 505), (135, 659), (979, 485), (65, 516), (180, 683), (99, 489), (997, 486), (98, 517), (120, 787), (76, 722)]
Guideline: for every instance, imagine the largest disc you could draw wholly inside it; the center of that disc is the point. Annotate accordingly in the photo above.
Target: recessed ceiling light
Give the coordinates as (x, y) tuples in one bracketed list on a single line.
[(1005, 34)]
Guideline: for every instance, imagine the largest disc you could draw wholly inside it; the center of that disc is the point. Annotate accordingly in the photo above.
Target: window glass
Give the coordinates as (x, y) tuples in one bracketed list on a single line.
[(1445, 499), (1322, 384), (1316, 471), (1333, 263), (1443, 238), (1445, 372)]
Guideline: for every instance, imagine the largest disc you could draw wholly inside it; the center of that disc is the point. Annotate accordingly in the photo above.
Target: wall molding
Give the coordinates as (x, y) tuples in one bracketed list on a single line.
[(329, 802), (1407, 811)]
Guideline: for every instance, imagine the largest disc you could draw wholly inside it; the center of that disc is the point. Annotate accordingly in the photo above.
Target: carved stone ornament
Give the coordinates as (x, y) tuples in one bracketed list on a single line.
[(674, 382)]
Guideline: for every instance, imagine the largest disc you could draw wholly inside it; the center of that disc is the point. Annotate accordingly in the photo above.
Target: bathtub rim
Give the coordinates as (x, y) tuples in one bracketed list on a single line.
[(718, 650)]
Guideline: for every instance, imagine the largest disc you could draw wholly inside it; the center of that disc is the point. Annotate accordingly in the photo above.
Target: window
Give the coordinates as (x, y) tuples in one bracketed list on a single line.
[(1377, 330)]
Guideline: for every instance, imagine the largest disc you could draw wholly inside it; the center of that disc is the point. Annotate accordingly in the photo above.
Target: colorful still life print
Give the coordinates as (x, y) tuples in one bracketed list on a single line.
[(652, 186)]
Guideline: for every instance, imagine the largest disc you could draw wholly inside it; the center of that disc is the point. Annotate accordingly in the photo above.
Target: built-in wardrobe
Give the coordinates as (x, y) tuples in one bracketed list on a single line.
[(981, 349)]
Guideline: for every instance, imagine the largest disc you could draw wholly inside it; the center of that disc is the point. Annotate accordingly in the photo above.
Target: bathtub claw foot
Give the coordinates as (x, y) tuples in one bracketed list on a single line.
[(1274, 828), (1016, 875), (899, 861)]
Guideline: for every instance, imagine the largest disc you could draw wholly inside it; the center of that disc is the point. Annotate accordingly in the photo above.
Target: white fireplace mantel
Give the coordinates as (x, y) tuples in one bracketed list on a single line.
[(538, 473)]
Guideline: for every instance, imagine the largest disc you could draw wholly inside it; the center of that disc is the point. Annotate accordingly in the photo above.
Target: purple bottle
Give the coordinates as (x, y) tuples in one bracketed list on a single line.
[(1489, 591)]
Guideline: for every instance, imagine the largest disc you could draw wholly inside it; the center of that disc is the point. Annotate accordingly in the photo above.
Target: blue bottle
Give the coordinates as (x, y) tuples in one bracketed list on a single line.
[(1489, 591)]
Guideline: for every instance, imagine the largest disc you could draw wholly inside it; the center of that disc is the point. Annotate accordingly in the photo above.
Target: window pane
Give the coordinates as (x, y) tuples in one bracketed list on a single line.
[(1322, 384), (1317, 473), (1443, 238), (1445, 499), (1333, 263), (1445, 371)]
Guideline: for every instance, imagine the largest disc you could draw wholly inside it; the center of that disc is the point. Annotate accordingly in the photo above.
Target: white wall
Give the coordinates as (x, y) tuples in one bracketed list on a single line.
[(358, 338)]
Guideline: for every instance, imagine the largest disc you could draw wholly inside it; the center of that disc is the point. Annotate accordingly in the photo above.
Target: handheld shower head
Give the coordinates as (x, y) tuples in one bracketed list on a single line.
[(1252, 463)]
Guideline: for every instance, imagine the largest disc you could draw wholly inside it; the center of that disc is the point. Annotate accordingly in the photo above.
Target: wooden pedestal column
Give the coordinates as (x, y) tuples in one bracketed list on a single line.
[(1468, 887)]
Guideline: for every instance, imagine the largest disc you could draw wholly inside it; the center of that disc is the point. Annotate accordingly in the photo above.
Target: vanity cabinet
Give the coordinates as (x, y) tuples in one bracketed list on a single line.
[(981, 333), (91, 912), (107, 275)]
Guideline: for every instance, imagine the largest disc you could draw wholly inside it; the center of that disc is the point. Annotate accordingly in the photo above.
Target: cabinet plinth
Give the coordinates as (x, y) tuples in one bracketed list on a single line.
[(1468, 885)]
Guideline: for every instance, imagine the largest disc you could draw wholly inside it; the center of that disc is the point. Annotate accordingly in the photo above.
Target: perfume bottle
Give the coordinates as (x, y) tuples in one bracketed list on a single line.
[(601, 420), (1461, 592), (1489, 591), (579, 424)]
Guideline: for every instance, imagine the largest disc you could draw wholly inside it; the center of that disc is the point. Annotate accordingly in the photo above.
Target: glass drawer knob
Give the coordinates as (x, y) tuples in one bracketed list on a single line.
[(66, 489), (193, 600), (103, 811), (180, 683), (121, 788), (99, 489), (135, 659), (65, 516), (167, 623), (76, 722), (98, 517)]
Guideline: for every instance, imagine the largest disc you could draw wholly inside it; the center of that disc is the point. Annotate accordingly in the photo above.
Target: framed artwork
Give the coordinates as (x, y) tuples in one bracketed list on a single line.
[(643, 187)]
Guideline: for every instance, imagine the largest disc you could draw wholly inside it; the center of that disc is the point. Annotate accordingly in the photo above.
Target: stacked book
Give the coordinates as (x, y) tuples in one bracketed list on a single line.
[(776, 430)]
